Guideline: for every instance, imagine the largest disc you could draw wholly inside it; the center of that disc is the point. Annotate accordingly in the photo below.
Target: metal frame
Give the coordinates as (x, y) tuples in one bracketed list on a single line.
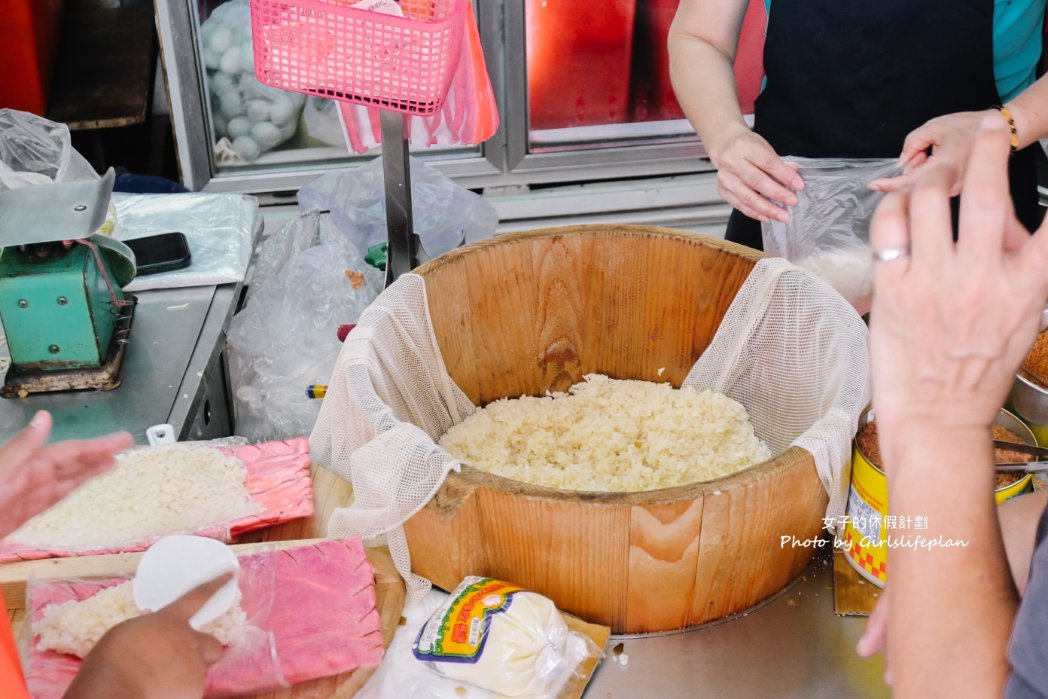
[(503, 161)]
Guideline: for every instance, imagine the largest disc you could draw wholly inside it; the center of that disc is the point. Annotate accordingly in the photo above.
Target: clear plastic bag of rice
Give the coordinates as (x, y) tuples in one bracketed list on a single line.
[(828, 232), (504, 639)]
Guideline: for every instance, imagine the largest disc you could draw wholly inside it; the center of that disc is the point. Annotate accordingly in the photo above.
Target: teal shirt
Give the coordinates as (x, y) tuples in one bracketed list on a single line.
[(1017, 28)]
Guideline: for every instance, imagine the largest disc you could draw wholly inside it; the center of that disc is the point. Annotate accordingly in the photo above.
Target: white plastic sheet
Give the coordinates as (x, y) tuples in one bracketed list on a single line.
[(218, 227)]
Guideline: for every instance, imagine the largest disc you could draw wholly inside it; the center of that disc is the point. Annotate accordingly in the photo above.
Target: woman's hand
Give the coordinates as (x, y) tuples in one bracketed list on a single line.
[(751, 176), (35, 477), (155, 655), (952, 321), (950, 139)]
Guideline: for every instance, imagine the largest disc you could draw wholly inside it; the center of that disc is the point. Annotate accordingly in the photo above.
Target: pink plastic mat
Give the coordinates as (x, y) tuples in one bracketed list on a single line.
[(277, 479), (312, 612)]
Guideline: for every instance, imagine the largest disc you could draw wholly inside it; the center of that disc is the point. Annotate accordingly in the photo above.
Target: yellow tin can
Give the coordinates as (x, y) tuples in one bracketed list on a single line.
[(864, 538)]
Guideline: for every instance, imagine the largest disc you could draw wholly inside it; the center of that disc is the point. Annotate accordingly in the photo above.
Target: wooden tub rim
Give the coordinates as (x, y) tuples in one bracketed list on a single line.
[(459, 485), (628, 229)]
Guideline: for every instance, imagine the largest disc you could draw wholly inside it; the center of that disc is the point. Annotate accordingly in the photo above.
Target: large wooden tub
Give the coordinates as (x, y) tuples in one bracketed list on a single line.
[(531, 312)]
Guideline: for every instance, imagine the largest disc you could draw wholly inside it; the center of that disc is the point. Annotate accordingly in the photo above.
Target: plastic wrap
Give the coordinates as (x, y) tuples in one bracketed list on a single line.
[(829, 229), (249, 118), (321, 122), (445, 214), (251, 664), (402, 674), (219, 228), (502, 638), (311, 613), (310, 278), (34, 150), (277, 480)]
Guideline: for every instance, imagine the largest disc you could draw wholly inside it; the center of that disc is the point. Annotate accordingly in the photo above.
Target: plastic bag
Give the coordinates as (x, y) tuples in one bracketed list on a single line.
[(321, 121), (402, 675), (469, 114), (829, 229), (502, 638), (311, 278), (255, 118), (444, 213), (34, 150), (219, 229), (278, 483)]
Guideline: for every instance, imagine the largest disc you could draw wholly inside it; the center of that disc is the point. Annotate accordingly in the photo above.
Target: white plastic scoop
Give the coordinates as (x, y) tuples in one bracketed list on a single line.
[(175, 565)]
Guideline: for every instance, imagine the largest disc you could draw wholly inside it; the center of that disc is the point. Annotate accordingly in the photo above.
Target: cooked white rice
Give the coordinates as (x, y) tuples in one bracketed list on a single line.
[(610, 435), (149, 494), (74, 627)]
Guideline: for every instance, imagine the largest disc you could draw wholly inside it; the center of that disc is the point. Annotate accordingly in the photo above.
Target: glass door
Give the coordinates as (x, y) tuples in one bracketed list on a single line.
[(234, 133), (597, 87)]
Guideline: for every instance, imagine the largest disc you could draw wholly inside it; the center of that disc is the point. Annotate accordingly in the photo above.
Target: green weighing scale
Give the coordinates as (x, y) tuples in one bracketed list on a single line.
[(62, 306)]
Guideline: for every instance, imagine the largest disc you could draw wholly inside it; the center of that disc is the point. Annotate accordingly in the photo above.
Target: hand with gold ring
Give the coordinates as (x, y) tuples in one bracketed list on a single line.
[(951, 321)]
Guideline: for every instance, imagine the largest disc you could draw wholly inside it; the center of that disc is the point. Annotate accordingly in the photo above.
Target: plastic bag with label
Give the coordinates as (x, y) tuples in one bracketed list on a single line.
[(829, 228), (510, 642)]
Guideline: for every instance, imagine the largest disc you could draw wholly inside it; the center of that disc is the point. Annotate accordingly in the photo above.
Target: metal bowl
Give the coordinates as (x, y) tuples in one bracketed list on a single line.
[(1029, 401)]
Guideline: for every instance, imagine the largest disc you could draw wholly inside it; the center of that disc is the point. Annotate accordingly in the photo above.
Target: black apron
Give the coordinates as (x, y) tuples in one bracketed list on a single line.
[(851, 80)]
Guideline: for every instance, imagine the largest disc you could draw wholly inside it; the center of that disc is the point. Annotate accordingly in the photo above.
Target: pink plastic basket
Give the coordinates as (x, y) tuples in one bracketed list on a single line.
[(328, 49)]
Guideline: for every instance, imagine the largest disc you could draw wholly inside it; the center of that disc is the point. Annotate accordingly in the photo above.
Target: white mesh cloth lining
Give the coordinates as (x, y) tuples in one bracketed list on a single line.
[(790, 349)]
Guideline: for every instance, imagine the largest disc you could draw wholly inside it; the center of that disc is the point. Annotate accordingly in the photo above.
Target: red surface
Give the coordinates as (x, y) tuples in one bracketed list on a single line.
[(653, 96), (311, 609), (277, 478), (607, 63), (12, 686), (749, 57), (28, 33), (578, 57)]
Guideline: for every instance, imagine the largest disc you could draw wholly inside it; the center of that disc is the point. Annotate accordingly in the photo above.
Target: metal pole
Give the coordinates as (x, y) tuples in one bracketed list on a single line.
[(396, 171)]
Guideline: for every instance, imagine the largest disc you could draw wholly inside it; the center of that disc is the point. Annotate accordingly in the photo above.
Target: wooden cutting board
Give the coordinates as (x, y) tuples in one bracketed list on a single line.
[(389, 589), (330, 492)]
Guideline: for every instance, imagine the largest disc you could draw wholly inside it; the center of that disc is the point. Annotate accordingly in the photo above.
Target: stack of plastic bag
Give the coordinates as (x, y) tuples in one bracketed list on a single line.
[(445, 214), (310, 277)]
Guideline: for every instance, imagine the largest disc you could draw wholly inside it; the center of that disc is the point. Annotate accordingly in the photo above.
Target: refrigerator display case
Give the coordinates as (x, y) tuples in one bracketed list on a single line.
[(590, 102)]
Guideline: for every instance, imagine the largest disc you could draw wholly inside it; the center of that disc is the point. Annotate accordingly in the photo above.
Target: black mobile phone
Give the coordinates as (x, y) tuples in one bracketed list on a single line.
[(160, 253)]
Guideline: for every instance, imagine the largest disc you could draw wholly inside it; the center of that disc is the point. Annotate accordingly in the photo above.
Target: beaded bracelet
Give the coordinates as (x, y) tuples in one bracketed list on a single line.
[(1007, 114)]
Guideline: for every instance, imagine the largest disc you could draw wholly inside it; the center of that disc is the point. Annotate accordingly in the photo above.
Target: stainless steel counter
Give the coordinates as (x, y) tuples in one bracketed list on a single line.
[(794, 646), (176, 335)]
